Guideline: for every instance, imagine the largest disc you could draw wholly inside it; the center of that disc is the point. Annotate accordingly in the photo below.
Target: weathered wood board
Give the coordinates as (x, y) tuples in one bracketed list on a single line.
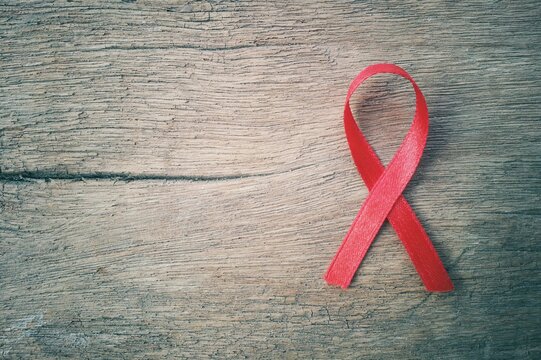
[(175, 179)]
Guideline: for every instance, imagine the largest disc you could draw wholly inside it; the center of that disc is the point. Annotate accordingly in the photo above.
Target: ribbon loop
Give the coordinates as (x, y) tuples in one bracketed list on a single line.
[(385, 200)]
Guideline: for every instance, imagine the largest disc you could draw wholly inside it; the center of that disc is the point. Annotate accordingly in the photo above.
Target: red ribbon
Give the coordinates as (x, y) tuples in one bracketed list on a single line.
[(385, 199)]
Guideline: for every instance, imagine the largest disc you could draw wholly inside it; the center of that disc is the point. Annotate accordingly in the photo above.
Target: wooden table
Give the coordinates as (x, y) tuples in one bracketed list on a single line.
[(175, 179)]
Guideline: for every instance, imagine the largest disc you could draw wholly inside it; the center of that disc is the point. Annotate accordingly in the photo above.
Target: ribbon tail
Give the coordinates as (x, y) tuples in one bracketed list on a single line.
[(420, 249), (349, 256)]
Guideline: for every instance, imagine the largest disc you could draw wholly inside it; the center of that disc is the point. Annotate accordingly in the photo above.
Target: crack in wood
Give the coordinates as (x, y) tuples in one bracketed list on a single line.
[(28, 176)]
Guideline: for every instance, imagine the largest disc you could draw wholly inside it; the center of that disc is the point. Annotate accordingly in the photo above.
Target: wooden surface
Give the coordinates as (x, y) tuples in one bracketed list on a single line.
[(175, 179)]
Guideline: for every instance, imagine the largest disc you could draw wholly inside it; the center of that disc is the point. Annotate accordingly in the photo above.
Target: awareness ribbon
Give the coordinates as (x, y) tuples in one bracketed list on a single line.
[(385, 200)]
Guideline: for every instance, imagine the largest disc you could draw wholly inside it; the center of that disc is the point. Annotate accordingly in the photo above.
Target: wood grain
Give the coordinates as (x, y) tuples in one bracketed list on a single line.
[(175, 179)]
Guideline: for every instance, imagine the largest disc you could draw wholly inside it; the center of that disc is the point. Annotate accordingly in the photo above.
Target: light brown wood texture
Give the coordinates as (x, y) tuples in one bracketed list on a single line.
[(175, 179)]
